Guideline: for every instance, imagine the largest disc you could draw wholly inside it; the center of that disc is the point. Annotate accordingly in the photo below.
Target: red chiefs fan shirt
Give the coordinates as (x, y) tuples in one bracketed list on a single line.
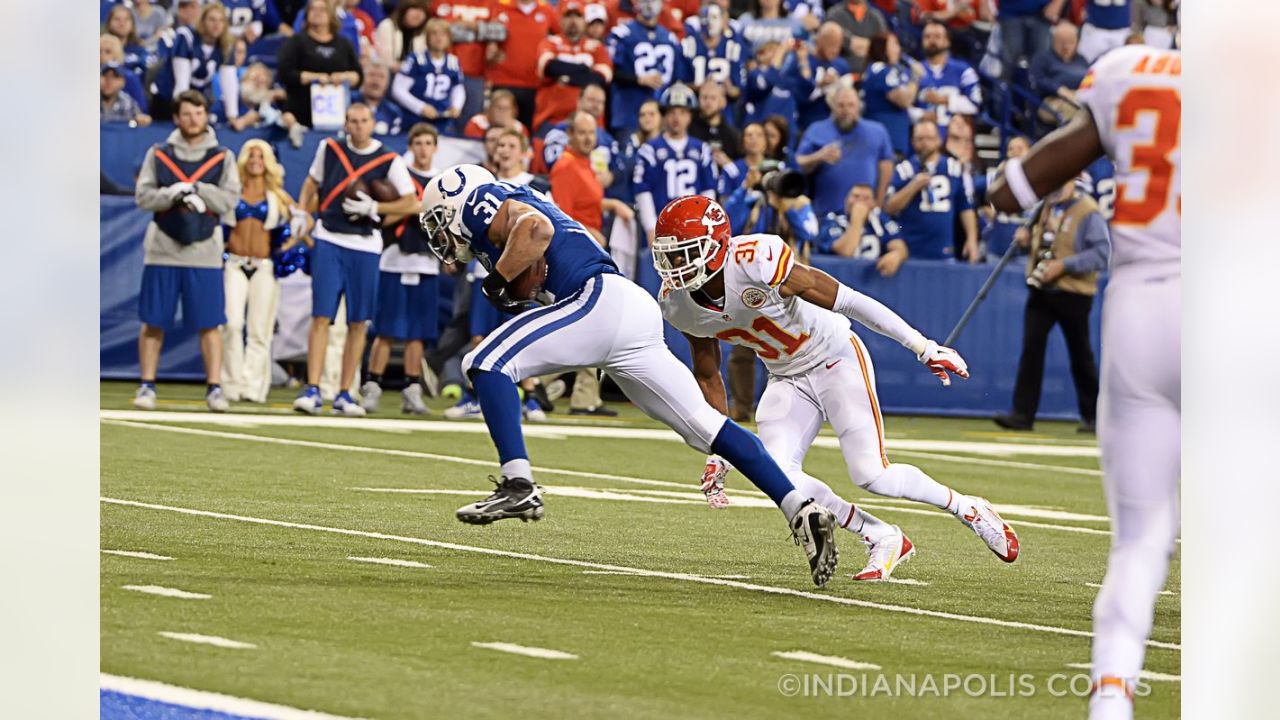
[(555, 99), (527, 23), (470, 54)]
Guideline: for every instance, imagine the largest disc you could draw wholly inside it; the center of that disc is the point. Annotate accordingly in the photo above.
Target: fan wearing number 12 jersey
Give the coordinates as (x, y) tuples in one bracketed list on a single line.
[(1134, 101), (749, 290)]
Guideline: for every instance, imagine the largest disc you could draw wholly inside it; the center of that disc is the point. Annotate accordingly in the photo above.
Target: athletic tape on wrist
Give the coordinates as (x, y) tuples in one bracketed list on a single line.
[(1019, 185)]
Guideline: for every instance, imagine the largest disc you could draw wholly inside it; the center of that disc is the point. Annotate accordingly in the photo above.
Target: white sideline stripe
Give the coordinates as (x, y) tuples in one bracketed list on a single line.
[(208, 640), (137, 554), (1162, 592), (542, 653), (166, 592), (1142, 674), (556, 432), (201, 700), (686, 577), (1015, 464), (388, 561), (629, 572), (831, 660)]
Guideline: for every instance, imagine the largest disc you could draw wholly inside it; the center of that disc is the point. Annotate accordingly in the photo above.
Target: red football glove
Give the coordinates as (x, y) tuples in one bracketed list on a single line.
[(713, 482), (942, 360)]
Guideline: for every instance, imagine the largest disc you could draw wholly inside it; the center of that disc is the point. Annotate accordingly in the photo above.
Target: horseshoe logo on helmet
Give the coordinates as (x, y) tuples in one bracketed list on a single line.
[(462, 183)]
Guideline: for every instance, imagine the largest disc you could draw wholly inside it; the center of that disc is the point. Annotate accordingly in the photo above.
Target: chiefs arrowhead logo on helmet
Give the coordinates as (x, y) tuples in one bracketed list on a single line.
[(690, 243)]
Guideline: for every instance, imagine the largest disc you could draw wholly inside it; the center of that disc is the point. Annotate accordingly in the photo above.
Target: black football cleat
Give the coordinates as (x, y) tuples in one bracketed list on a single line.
[(814, 529), (512, 498)]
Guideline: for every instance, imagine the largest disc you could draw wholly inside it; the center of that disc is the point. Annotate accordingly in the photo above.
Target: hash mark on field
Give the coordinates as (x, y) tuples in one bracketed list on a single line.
[(831, 660), (1143, 675), (685, 577), (389, 561), (542, 653), (166, 592), (137, 554), (199, 699), (1162, 592), (208, 640)]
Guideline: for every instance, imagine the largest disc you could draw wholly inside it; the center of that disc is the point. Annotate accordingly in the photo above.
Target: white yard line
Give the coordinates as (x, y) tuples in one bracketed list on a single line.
[(388, 561), (877, 506), (556, 432), (136, 554), (1142, 674), (166, 592), (1162, 592), (1011, 464), (629, 572), (578, 492), (831, 660), (684, 577), (208, 640), (201, 700), (1033, 511), (905, 581), (533, 652)]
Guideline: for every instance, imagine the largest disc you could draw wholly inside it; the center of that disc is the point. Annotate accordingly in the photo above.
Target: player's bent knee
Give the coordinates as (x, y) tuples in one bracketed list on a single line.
[(700, 428)]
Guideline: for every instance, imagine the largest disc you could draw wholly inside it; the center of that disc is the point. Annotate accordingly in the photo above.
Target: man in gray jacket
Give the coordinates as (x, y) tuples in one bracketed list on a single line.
[(189, 182)]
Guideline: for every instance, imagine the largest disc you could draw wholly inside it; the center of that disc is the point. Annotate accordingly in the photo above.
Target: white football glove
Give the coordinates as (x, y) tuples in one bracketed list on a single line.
[(195, 203), (297, 222), (172, 193), (361, 204), (713, 482), (942, 360)]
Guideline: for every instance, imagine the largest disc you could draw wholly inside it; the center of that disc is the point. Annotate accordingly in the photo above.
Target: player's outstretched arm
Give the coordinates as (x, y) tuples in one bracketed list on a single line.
[(819, 288), (1058, 157)]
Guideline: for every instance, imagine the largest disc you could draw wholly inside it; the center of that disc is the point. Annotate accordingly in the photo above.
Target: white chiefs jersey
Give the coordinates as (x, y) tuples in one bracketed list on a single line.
[(790, 335), (1134, 94)]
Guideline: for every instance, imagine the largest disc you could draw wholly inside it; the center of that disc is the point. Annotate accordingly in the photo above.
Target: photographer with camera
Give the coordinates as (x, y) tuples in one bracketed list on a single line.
[(1069, 246)]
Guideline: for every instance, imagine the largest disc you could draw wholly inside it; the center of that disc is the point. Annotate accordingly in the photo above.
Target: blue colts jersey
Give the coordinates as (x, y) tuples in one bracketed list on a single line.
[(667, 174), (929, 221), (722, 64), (637, 50), (433, 80), (959, 82), (1107, 14), (243, 13), (878, 230), (1101, 176), (573, 257)]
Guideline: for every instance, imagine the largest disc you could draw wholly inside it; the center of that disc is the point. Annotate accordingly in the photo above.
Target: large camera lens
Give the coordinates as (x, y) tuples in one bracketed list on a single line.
[(784, 183)]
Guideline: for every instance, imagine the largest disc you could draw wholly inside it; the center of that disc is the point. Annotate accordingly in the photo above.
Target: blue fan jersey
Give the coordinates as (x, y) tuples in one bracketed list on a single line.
[(243, 13), (1102, 185), (769, 92), (1107, 14), (433, 80), (929, 222), (879, 80), (573, 257), (878, 230), (998, 234), (637, 50), (667, 174), (959, 82), (722, 64), (811, 100)]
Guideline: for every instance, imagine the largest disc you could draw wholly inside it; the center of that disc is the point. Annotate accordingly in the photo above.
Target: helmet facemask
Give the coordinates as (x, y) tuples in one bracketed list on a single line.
[(682, 263), (444, 244)]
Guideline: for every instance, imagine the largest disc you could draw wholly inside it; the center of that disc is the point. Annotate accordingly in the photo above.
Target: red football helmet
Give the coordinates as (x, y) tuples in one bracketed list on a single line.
[(690, 242)]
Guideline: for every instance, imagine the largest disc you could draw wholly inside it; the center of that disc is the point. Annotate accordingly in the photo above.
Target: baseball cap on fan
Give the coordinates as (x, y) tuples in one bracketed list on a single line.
[(571, 6), (596, 11)]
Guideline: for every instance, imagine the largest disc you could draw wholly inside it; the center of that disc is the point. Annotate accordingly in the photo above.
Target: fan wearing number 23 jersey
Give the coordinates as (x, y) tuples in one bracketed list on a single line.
[(638, 50), (750, 291)]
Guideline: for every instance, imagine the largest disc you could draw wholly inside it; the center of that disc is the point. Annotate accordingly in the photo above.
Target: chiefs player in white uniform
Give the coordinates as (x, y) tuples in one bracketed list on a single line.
[(750, 291), (1134, 102)]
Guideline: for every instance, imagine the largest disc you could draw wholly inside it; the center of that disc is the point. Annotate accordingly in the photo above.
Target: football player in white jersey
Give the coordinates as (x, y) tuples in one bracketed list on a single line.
[(750, 291), (1134, 102)]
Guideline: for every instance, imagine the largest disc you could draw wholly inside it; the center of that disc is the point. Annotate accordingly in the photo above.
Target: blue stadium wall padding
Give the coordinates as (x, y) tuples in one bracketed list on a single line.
[(932, 296)]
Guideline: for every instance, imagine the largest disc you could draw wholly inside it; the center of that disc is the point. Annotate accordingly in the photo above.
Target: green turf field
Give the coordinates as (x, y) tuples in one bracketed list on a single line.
[(627, 573)]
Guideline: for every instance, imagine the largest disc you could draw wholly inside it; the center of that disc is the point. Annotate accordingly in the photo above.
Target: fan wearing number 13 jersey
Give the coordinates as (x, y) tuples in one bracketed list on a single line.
[(1133, 100), (749, 290)]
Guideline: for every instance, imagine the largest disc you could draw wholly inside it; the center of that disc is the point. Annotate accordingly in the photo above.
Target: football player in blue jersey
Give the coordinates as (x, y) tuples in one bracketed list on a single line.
[(430, 84), (599, 319), (645, 58), (949, 86), (251, 19), (713, 52), (927, 193), (673, 164)]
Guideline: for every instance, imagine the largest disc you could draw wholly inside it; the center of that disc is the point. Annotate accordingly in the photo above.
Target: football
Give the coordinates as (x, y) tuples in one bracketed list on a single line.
[(528, 284), (380, 190)]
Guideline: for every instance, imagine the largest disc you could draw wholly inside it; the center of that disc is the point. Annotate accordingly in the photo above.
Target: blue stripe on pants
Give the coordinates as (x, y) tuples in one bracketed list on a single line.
[(551, 327), (516, 324)]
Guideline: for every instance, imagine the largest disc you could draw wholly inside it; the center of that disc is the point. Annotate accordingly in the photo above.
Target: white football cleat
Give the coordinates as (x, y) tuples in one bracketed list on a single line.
[(370, 395), (309, 401), (217, 401), (412, 402), (533, 412), (987, 524), (886, 556), (345, 405), (145, 398)]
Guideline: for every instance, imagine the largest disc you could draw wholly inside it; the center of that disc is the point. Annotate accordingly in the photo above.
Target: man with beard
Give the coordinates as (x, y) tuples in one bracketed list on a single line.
[(931, 191), (845, 150), (568, 62), (949, 86), (711, 125)]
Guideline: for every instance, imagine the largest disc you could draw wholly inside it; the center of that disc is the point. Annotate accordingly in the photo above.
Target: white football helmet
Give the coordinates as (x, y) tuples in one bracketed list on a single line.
[(441, 215)]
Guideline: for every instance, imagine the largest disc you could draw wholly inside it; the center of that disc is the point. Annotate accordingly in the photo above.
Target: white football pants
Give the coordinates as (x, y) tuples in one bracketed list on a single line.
[(250, 305), (613, 324)]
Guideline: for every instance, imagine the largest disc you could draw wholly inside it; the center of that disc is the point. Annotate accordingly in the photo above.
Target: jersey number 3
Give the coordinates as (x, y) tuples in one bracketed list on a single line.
[(789, 343), (1166, 105)]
